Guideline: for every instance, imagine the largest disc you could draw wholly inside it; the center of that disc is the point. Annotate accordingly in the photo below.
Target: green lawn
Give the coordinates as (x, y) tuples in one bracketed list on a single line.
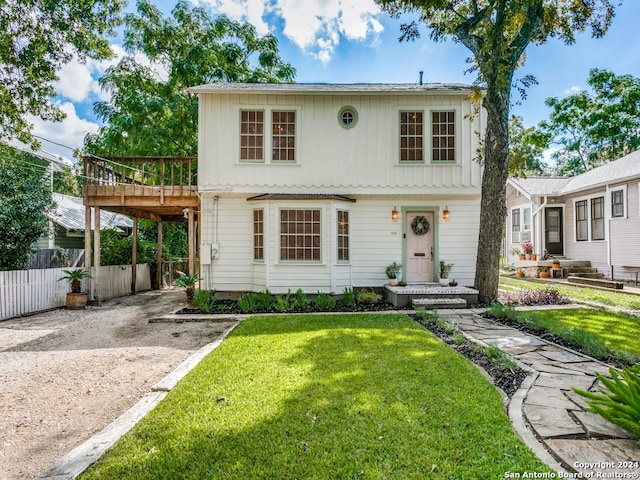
[(617, 332), (324, 397), (576, 293)]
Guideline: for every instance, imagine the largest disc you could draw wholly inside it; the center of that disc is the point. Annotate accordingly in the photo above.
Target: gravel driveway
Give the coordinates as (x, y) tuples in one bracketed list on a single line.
[(65, 375)]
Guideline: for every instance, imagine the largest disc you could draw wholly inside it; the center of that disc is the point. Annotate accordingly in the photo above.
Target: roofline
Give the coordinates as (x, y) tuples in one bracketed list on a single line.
[(333, 88)]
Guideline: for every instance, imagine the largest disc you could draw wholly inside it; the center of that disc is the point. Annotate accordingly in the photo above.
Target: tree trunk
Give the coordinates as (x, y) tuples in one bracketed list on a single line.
[(493, 208)]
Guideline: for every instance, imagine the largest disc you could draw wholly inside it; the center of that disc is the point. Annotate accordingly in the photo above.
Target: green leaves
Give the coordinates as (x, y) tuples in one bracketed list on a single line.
[(594, 128), (26, 196), (619, 400), (150, 111), (38, 37)]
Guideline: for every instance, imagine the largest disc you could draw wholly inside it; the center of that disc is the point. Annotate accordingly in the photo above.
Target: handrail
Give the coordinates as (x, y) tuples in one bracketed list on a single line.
[(142, 171)]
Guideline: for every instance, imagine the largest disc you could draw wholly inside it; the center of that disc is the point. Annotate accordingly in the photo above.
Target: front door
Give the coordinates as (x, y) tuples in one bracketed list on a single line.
[(553, 237), (419, 261)]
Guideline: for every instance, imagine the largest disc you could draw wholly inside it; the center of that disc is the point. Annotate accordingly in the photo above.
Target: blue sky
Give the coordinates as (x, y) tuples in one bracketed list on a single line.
[(335, 41)]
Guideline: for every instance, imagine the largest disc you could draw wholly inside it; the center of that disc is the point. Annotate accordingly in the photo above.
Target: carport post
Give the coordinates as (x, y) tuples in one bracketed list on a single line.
[(134, 255)]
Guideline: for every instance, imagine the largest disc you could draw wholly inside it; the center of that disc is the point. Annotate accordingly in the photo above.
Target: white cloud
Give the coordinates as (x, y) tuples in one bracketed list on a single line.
[(68, 133), (573, 90), (314, 25)]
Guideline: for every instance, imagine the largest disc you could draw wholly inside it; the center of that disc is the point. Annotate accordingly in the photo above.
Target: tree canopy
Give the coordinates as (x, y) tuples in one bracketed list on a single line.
[(497, 33), (150, 112), (591, 129), (26, 197), (38, 37), (526, 148)]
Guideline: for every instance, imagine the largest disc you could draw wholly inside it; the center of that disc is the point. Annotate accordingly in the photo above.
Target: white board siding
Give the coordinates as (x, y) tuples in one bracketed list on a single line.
[(329, 157), (375, 242), (594, 251), (625, 239)]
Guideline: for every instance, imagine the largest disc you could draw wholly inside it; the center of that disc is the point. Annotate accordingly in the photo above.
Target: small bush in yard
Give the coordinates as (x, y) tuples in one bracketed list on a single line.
[(300, 301), (204, 300), (265, 301), (506, 312), (348, 298), (549, 296), (325, 302), (426, 317), (248, 302), (619, 402), (500, 359), (368, 297)]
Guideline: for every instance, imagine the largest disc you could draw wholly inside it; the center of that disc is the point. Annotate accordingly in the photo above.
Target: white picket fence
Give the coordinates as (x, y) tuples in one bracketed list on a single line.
[(28, 291)]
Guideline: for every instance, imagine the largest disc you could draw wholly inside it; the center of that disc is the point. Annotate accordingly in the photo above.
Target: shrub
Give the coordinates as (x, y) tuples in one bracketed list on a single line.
[(265, 300), (284, 303), (368, 297), (505, 312), (348, 298), (325, 302), (204, 300), (426, 317), (248, 302), (499, 359), (300, 301), (619, 402), (549, 296)]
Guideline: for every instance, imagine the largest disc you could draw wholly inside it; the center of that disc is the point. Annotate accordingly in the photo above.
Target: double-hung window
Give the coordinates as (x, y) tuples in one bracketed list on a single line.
[(411, 137), (283, 136), (343, 236), (617, 203), (252, 135), (521, 225), (258, 235), (590, 216), (443, 136)]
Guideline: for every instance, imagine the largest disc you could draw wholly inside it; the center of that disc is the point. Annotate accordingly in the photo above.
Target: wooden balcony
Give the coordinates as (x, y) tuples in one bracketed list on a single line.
[(158, 188)]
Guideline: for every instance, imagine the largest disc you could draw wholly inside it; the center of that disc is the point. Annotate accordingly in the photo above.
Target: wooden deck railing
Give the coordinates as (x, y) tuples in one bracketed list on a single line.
[(144, 171)]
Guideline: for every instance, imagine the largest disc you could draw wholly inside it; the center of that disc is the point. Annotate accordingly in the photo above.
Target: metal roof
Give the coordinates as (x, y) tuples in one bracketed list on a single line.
[(69, 213), (330, 88)]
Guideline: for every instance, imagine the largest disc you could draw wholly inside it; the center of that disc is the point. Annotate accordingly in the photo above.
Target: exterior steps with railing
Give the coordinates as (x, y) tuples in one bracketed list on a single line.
[(430, 296)]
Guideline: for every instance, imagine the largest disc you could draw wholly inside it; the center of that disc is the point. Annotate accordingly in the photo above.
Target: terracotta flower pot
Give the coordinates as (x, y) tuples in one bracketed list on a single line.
[(519, 274), (545, 274), (77, 301)]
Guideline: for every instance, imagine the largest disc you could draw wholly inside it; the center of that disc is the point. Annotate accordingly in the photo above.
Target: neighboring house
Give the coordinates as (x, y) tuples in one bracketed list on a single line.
[(67, 220), (315, 186), (594, 216)]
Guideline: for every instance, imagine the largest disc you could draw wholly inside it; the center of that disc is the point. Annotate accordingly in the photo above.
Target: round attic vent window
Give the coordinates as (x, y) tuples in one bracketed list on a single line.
[(348, 117)]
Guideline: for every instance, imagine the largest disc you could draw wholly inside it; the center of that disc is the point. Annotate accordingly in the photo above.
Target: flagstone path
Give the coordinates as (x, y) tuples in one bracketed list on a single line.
[(581, 442)]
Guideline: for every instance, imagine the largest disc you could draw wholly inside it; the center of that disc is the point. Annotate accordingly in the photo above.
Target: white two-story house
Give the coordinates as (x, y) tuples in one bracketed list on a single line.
[(320, 186)]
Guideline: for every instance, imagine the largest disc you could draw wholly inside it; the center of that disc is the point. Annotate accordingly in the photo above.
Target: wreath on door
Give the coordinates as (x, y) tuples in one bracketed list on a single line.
[(420, 225)]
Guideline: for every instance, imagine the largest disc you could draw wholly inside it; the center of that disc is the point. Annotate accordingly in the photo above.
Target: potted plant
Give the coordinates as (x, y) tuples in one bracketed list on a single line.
[(555, 263), (534, 256), (527, 248), (76, 299), (544, 272), (393, 273), (188, 281), (453, 283), (519, 272), (445, 268)]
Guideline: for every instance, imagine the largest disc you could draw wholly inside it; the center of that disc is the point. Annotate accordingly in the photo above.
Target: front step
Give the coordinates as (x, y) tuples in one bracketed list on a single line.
[(593, 282), (403, 296), (430, 303), (596, 275)]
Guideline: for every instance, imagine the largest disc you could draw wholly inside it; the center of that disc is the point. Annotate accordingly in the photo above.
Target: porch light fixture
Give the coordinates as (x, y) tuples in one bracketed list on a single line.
[(394, 214), (445, 213)]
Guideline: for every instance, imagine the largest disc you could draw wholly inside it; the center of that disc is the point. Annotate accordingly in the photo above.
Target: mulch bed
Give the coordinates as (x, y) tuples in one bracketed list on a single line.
[(508, 380)]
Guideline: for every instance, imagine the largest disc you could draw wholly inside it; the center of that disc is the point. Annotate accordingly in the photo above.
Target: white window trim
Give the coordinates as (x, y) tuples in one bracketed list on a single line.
[(338, 261), (264, 235), (522, 208), (267, 136), (607, 217), (425, 129), (296, 206), (264, 135), (608, 203), (456, 142)]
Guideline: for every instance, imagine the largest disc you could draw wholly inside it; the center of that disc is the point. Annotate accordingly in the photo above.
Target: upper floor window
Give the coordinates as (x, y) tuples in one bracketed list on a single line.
[(411, 137), (343, 235), (617, 203), (252, 135), (443, 136), (582, 222), (258, 234), (283, 136), (300, 235)]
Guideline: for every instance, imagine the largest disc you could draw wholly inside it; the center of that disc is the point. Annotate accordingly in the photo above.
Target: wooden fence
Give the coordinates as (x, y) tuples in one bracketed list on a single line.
[(29, 291)]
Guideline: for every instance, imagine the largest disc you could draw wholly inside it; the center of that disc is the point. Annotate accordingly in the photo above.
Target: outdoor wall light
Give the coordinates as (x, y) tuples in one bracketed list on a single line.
[(394, 214), (445, 213)]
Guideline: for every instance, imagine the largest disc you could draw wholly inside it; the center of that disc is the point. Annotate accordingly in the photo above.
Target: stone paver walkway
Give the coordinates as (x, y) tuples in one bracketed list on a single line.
[(582, 442)]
